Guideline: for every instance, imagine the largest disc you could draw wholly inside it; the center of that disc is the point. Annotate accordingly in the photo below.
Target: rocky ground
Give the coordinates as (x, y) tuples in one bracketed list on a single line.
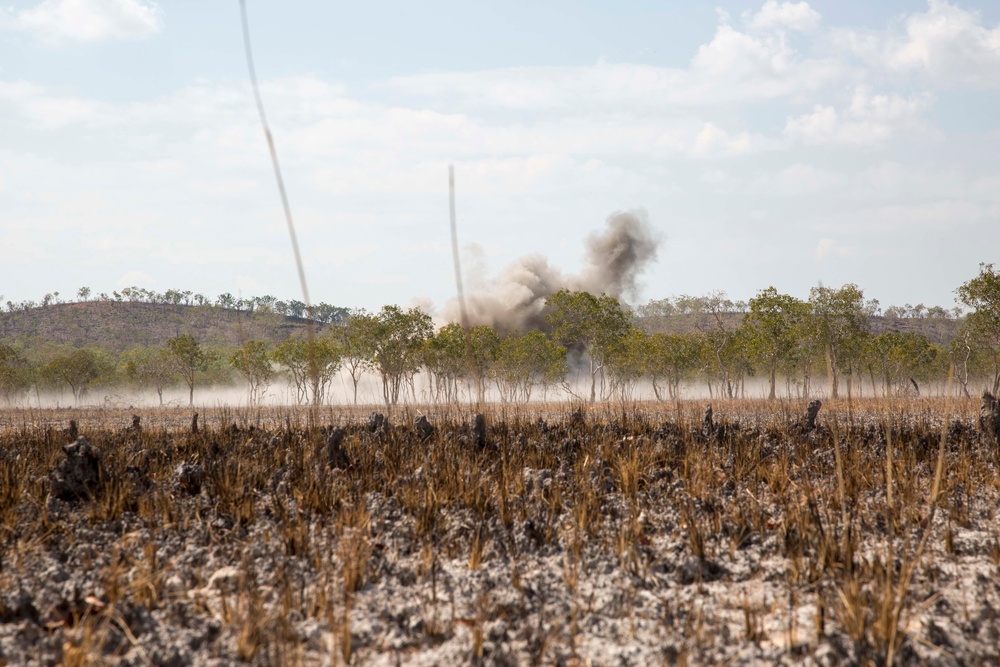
[(626, 537)]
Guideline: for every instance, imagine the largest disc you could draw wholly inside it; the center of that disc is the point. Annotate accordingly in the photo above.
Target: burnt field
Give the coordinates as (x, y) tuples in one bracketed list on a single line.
[(609, 535)]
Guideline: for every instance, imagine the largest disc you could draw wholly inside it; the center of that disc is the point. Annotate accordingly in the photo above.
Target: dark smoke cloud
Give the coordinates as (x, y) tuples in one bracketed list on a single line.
[(616, 257)]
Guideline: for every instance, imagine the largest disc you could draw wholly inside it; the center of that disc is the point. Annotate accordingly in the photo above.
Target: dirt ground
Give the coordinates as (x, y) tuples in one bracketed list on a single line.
[(559, 534)]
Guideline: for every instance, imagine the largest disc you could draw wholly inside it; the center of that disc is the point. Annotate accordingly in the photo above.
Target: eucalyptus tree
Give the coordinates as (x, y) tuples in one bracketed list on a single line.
[(444, 357), (839, 323), (899, 359), (254, 363), (189, 358), (395, 342), (672, 359), (16, 373), (774, 325), (982, 295), (594, 323), (78, 369), (149, 368), (628, 362), (526, 361), (354, 340), (716, 318), (482, 344), (312, 365)]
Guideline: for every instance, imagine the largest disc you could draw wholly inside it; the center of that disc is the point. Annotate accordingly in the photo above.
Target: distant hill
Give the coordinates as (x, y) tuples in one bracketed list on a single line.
[(938, 330), (119, 326)]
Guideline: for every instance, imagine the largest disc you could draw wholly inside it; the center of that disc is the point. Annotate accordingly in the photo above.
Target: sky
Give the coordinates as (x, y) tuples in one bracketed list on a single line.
[(781, 144)]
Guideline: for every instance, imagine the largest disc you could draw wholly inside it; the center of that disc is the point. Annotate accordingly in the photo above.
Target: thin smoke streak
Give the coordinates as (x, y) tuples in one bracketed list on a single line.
[(277, 168), (458, 278), (454, 247)]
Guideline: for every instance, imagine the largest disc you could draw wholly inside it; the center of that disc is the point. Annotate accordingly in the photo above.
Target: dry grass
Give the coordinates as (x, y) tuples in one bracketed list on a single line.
[(280, 559)]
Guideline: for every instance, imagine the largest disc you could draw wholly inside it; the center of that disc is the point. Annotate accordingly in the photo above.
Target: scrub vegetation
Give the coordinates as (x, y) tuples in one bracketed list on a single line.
[(836, 343)]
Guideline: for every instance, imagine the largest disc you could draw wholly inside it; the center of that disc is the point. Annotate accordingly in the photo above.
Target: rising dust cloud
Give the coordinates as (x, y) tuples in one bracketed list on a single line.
[(515, 299)]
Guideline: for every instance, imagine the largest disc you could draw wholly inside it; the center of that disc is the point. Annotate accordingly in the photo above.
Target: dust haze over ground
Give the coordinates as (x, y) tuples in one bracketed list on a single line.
[(282, 393), (615, 259)]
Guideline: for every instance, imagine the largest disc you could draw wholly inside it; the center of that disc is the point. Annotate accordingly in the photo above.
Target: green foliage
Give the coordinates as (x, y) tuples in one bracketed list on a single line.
[(839, 323), (16, 373), (149, 368), (311, 365), (354, 340), (774, 325), (525, 361), (723, 360), (982, 294), (594, 323), (394, 340), (254, 363), (628, 362), (711, 337), (78, 369), (444, 357), (189, 358), (452, 354), (483, 342), (672, 359), (899, 359)]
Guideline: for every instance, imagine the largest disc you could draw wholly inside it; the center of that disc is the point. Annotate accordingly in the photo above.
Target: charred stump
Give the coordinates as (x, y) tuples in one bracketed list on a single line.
[(708, 422), (479, 430), (80, 476), (336, 455), (811, 411)]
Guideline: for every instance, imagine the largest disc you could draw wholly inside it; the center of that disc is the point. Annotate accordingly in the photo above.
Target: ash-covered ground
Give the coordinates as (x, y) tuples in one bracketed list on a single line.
[(621, 535)]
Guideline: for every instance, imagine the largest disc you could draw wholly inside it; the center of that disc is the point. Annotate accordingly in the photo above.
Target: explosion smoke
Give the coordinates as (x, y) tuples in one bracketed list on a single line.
[(516, 299)]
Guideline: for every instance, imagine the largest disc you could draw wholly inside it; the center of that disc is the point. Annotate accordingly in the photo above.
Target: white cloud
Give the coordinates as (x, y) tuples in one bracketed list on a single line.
[(714, 141), (383, 278), (947, 43), (44, 108), (29, 247), (796, 180), (136, 279), (57, 21), (792, 15), (831, 248), (947, 216), (868, 119), (340, 254), (735, 65), (249, 285)]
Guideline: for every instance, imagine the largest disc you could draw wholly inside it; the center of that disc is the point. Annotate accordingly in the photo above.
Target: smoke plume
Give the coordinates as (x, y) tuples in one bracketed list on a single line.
[(615, 258)]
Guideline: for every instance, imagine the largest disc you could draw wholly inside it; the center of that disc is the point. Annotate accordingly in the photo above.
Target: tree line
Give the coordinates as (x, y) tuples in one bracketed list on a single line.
[(321, 312), (593, 346)]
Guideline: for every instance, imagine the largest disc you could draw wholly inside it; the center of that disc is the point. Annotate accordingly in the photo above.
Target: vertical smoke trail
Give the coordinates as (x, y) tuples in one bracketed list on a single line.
[(274, 161), (454, 247)]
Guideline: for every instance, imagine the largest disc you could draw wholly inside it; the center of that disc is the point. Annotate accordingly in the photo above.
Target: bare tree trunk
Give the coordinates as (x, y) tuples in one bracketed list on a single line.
[(832, 371), (593, 382)]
